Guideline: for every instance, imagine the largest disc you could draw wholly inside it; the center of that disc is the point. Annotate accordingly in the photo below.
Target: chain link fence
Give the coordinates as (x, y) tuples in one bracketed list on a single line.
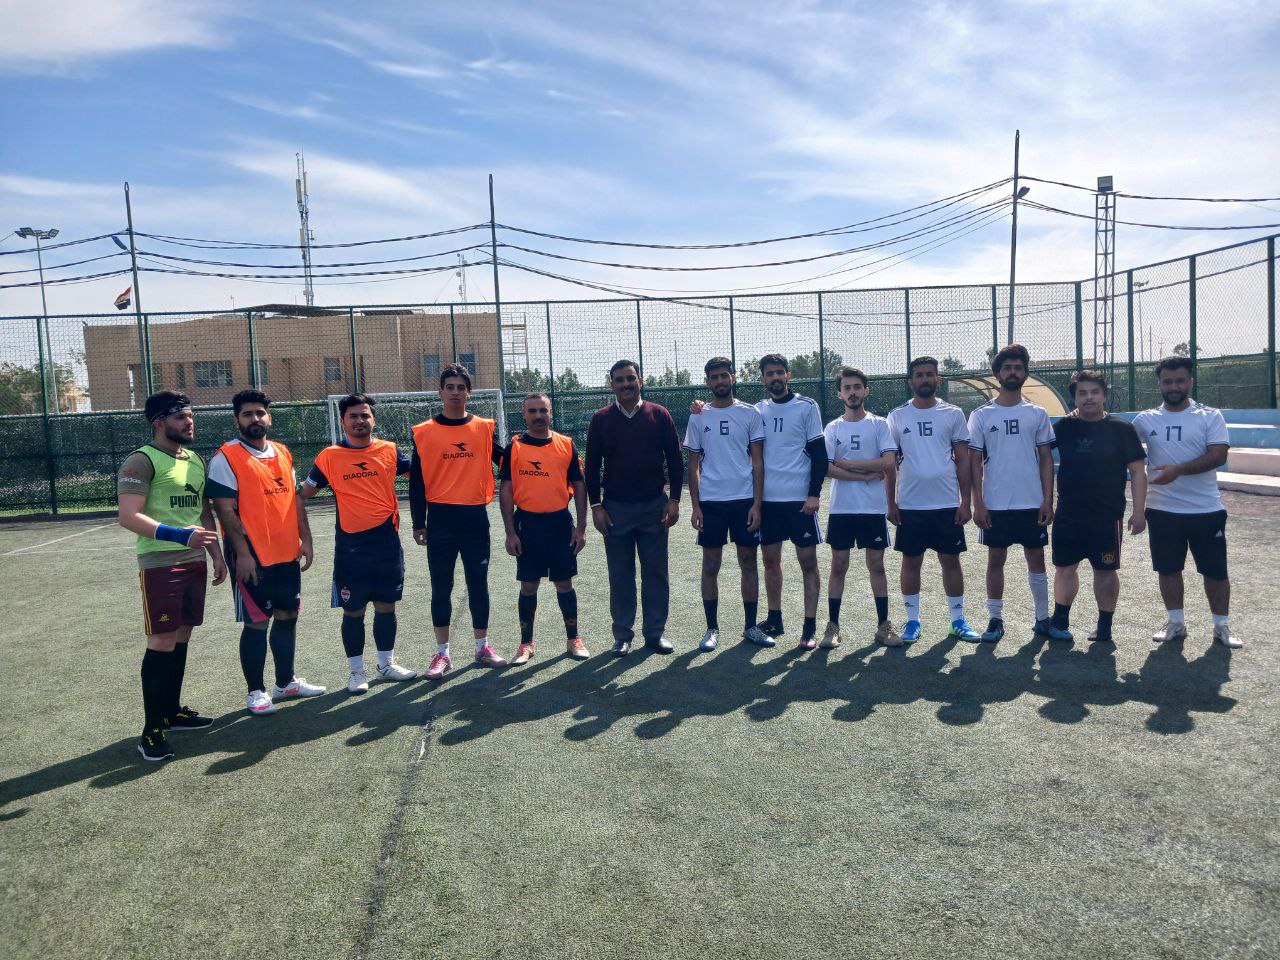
[(71, 386)]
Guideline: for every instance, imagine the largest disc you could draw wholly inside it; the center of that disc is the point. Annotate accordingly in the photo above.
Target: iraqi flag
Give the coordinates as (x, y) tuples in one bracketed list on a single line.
[(126, 298)]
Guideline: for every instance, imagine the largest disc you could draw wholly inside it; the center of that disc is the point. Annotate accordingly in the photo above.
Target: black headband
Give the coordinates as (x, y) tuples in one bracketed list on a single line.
[(170, 410)]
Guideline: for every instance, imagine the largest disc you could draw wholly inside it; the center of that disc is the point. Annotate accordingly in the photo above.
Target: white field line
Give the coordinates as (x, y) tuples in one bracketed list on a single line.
[(49, 543)]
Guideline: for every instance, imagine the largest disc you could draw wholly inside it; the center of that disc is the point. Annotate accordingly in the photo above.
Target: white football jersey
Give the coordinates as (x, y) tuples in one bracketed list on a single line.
[(864, 439), (1009, 439), (926, 460), (1179, 438), (723, 437), (788, 426)]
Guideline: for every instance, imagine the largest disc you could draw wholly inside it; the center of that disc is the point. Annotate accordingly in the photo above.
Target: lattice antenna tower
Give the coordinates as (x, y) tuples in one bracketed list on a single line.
[(305, 236), (1104, 275), (462, 278)]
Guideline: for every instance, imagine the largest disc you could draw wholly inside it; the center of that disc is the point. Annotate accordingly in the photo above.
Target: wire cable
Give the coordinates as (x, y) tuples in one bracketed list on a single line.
[(46, 247), (318, 266), (1155, 226), (1143, 196), (204, 244), (62, 266)]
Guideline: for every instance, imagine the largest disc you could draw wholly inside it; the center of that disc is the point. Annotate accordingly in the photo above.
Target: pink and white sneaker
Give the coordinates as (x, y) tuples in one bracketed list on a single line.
[(297, 687), (440, 665), (486, 656)]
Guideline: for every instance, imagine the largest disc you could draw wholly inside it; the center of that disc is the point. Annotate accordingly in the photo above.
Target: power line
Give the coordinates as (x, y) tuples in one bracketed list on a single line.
[(1143, 196), (206, 244), (46, 247), (318, 266), (1153, 226)]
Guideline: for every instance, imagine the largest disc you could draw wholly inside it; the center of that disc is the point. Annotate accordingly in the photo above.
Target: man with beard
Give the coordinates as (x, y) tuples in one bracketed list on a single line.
[(631, 441), (862, 454), (368, 561), (264, 519), (540, 474), (161, 489), (1186, 442), (726, 481), (929, 496), (1012, 484), (1095, 452)]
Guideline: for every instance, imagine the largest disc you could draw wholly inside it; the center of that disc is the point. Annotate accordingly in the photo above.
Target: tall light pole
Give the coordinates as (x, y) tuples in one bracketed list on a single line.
[(46, 348), (1018, 194)]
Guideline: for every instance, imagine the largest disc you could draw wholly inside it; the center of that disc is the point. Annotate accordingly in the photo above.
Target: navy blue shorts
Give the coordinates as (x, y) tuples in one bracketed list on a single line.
[(866, 531), (361, 577), (936, 530), (1010, 527), (723, 520), (781, 521)]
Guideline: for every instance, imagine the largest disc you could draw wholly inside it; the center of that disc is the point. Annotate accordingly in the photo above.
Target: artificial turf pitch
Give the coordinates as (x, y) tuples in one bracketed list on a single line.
[(948, 799)]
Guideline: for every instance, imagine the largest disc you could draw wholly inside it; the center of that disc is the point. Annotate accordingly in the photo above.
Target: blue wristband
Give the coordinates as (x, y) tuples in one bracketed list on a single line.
[(173, 534)]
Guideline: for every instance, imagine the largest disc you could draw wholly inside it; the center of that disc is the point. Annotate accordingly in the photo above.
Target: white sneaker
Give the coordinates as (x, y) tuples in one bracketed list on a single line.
[(259, 704), (298, 687), (1170, 631), (1223, 635), (393, 671), (357, 682)]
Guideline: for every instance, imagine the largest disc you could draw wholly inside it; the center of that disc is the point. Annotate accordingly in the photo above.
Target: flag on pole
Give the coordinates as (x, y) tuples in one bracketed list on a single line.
[(125, 299)]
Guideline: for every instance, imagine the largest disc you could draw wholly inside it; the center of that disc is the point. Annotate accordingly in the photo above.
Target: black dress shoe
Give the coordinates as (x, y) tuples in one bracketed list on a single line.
[(621, 648), (661, 645)]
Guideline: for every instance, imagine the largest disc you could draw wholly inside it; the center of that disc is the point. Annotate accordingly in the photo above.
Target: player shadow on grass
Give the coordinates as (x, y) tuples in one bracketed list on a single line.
[(248, 740)]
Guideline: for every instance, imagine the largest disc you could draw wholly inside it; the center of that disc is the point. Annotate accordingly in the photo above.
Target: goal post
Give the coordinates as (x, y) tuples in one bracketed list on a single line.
[(397, 413)]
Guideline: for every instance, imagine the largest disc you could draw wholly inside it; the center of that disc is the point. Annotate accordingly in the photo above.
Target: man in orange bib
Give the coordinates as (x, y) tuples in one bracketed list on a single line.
[(254, 491), (368, 561), (450, 486), (539, 474)]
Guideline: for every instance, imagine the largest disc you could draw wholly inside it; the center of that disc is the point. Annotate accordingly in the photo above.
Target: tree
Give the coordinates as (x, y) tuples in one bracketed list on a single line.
[(20, 388), (810, 366), (1182, 349), (669, 378), (567, 381), (950, 366), (520, 382)]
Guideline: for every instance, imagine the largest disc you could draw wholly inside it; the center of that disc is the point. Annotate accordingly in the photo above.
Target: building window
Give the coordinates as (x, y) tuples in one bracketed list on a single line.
[(157, 377), (468, 360), (182, 375), (431, 368), (213, 373), (333, 369)]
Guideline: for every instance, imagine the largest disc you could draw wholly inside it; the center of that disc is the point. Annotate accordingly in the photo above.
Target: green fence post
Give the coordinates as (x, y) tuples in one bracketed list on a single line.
[(1191, 306), (995, 324), (1079, 329), (733, 347), (906, 315), (551, 366), (50, 472), (453, 333), (1129, 300), (253, 352), (822, 362), (355, 355), (1271, 320), (639, 340)]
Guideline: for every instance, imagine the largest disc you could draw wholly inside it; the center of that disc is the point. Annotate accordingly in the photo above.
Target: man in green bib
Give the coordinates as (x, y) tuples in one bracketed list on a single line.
[(161, 492)]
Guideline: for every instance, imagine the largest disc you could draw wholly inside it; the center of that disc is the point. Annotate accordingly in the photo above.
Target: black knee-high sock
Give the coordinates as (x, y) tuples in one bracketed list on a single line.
[(156, 669), (882, 609), (284, 641), (711, 610), (1062, 615), (810, 627), (774, 618), (253, 657), (177, 673), (527, 607), (353, 636), (750, 610), (384, 630), (833, 608), (568, 600)]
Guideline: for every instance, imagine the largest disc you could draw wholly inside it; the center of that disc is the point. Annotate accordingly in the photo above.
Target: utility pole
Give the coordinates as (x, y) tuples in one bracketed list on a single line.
[(497, 293), (1018, 194), (305, 236), (462, 278), (144, 352), (31, 233)]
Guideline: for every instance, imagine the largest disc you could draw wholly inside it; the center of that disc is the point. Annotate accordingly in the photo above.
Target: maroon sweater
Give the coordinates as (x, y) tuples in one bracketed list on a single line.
[(633, 452)]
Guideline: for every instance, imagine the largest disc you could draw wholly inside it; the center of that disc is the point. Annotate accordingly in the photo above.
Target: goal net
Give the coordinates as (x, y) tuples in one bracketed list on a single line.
[(398, 413)]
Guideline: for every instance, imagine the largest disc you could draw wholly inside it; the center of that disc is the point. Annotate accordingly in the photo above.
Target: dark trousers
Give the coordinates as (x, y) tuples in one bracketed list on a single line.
[(637, 531)]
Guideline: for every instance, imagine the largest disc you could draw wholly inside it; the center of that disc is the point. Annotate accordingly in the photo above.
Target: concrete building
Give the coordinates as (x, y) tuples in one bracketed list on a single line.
[(300, 353)]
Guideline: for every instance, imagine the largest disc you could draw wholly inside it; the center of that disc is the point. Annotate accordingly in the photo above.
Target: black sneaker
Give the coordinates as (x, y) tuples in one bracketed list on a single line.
[(154, 747), (188, 719), (995, 631), (771, 628)]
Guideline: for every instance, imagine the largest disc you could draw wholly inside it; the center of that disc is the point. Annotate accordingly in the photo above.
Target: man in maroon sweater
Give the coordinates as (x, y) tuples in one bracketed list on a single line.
[(633, 440)]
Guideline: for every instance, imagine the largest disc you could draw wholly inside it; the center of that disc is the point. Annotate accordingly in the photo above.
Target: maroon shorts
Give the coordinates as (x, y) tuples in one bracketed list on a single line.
[(173, 597)]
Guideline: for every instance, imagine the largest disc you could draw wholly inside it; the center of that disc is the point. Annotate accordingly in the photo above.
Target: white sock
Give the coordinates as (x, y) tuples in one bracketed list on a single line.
[(1221, 619), (384, 658), (995, 609), (1177, 616), (482, 642), (356, 664), (442, 649), (912, 604), (956, 606), (1039, 584)]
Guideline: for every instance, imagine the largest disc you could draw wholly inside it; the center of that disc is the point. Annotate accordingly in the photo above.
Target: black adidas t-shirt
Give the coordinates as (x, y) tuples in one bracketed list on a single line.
[(1092, 456)]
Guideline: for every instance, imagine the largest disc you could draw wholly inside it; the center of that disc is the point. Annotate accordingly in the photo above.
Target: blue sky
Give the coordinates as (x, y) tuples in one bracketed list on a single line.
[(661, 122)]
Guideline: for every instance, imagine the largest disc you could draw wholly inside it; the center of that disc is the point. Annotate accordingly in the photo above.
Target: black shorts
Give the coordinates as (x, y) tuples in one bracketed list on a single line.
[(1095, 537), (1172, 533), (278, 590), (1010, 527), (936, 530), (545, 548), (781, 521), (725, 519), (455, 531), (866, 531), (361, 577)]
